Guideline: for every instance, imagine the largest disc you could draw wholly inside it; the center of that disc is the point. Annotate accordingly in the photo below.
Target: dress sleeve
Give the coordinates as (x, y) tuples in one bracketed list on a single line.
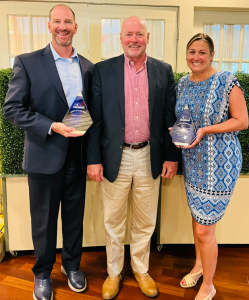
[(233, 81)]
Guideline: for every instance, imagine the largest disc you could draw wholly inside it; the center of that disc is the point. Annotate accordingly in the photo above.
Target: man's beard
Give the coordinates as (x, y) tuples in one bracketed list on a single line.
[(63, 44)]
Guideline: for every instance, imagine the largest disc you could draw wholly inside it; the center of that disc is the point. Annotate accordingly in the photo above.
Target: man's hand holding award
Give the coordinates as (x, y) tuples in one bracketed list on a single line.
[(76, 121), (78, 117)]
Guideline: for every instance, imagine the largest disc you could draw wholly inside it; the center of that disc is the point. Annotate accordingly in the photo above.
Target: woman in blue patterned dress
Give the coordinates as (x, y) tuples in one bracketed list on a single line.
[(213, 162)]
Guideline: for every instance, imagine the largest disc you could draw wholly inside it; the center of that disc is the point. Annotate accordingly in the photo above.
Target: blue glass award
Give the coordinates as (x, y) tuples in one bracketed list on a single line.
[(183, 132), (78, 116)]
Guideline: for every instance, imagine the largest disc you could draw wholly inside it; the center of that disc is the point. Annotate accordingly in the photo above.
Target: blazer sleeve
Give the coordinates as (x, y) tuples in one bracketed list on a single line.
[(171, 152), (17, 104), (95, 109)]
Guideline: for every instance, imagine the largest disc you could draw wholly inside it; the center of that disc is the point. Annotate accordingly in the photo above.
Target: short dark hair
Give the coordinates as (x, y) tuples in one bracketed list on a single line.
[(61, 5), (204, 37)]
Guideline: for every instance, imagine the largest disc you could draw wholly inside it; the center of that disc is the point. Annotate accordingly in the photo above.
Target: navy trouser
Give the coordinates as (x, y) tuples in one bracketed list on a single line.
[(47, 192)]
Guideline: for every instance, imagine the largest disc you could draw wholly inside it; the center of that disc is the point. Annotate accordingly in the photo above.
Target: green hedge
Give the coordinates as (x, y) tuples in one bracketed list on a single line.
[(12, 137), (244, 135)]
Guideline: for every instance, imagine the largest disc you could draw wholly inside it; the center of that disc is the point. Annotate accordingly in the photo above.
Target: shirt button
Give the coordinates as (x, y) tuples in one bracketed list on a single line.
[(123, 128), (136, 117), (136, 103), (135, 89), (120, 147), (136, 130)]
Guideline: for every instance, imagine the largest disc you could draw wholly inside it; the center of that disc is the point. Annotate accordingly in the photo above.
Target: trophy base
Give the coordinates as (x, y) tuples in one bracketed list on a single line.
[(181, 144), (78, 132), (184, 144)]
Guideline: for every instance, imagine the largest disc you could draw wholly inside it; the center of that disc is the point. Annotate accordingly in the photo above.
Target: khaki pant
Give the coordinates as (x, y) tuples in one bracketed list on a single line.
[(134, 174)]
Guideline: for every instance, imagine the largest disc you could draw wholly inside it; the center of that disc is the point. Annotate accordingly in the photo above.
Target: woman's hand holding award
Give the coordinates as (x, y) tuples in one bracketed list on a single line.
[(183, 132)]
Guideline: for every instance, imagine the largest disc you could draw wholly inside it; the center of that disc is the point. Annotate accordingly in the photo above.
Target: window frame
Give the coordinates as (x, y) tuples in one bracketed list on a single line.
[(11, 55), (221, 60)]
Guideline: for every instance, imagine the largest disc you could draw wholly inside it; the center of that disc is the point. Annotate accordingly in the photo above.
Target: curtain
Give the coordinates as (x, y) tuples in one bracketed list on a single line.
[(40, 32), (155, 48), (111, 45), (19, 35), (213, 30), (245, 54), (231, 41)]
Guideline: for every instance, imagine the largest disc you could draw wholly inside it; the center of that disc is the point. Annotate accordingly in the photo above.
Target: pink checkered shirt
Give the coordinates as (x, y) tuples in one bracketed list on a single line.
[(136, 103)]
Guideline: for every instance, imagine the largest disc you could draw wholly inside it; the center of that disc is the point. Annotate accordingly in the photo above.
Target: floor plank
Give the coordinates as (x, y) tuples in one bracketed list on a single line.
[(166, 267)]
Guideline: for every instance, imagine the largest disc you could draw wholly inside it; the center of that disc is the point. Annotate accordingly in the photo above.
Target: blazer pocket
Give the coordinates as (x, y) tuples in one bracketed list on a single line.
[(103, 141)]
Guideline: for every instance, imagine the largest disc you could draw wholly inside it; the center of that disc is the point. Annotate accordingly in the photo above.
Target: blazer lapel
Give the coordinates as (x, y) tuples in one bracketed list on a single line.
[(151, 67), (82, 69), (118, 72), (49, 64)]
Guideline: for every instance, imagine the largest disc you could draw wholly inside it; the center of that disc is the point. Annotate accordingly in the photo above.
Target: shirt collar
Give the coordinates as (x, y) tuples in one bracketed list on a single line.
[(57, 56), (128, 62)]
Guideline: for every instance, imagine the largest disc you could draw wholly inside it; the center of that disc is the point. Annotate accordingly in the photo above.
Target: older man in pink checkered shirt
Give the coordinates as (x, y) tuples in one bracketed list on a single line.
[(129, 146)]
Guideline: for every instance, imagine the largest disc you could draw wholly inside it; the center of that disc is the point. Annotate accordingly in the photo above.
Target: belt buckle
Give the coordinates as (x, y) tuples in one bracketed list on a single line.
[(139, 144), (133, 144)]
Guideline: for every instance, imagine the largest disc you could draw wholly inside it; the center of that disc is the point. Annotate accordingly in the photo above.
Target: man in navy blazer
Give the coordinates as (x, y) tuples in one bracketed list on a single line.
[(129, 146), (43, 86)]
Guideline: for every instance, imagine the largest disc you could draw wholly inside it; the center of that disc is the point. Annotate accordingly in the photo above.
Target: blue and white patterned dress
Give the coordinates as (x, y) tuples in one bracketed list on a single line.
[(212, 167)]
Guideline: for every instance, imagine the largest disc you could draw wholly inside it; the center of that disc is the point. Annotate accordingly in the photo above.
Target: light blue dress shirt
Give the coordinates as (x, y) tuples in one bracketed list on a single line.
[(70, 75)]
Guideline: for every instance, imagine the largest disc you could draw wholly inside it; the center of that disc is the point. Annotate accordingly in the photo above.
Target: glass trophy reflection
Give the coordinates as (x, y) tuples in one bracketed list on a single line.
[(78, 116), (183, 132)]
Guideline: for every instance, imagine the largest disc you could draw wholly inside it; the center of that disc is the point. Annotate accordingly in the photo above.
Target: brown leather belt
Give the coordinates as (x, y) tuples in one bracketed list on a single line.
[(136, 146)]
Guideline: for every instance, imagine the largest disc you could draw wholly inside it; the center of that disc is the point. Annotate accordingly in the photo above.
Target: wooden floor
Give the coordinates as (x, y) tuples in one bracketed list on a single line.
[(166, 267)]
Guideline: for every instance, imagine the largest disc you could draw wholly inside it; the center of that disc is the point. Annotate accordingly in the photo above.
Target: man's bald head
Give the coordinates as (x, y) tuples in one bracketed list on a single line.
[(63, 5), (134, 38), (133, 20)]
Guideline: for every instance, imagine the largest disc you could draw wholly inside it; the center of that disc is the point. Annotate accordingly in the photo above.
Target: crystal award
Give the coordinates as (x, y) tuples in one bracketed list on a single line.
[(183, 132), (78, 116)]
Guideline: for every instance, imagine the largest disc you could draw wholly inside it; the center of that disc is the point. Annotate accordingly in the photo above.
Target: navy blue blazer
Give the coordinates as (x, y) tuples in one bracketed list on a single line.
[(34, 101), (107, 108)]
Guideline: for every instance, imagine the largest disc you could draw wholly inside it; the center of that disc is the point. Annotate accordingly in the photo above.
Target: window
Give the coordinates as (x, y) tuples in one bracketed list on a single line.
[(40, 33), (231, 43), (111, 45), (245, 52), (155, 47), (24, 40), (18, 36), (213, 30)]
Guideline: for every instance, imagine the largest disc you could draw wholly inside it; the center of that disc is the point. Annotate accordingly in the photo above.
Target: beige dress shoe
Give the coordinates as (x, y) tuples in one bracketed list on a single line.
[(111, 286), (146, 283)]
